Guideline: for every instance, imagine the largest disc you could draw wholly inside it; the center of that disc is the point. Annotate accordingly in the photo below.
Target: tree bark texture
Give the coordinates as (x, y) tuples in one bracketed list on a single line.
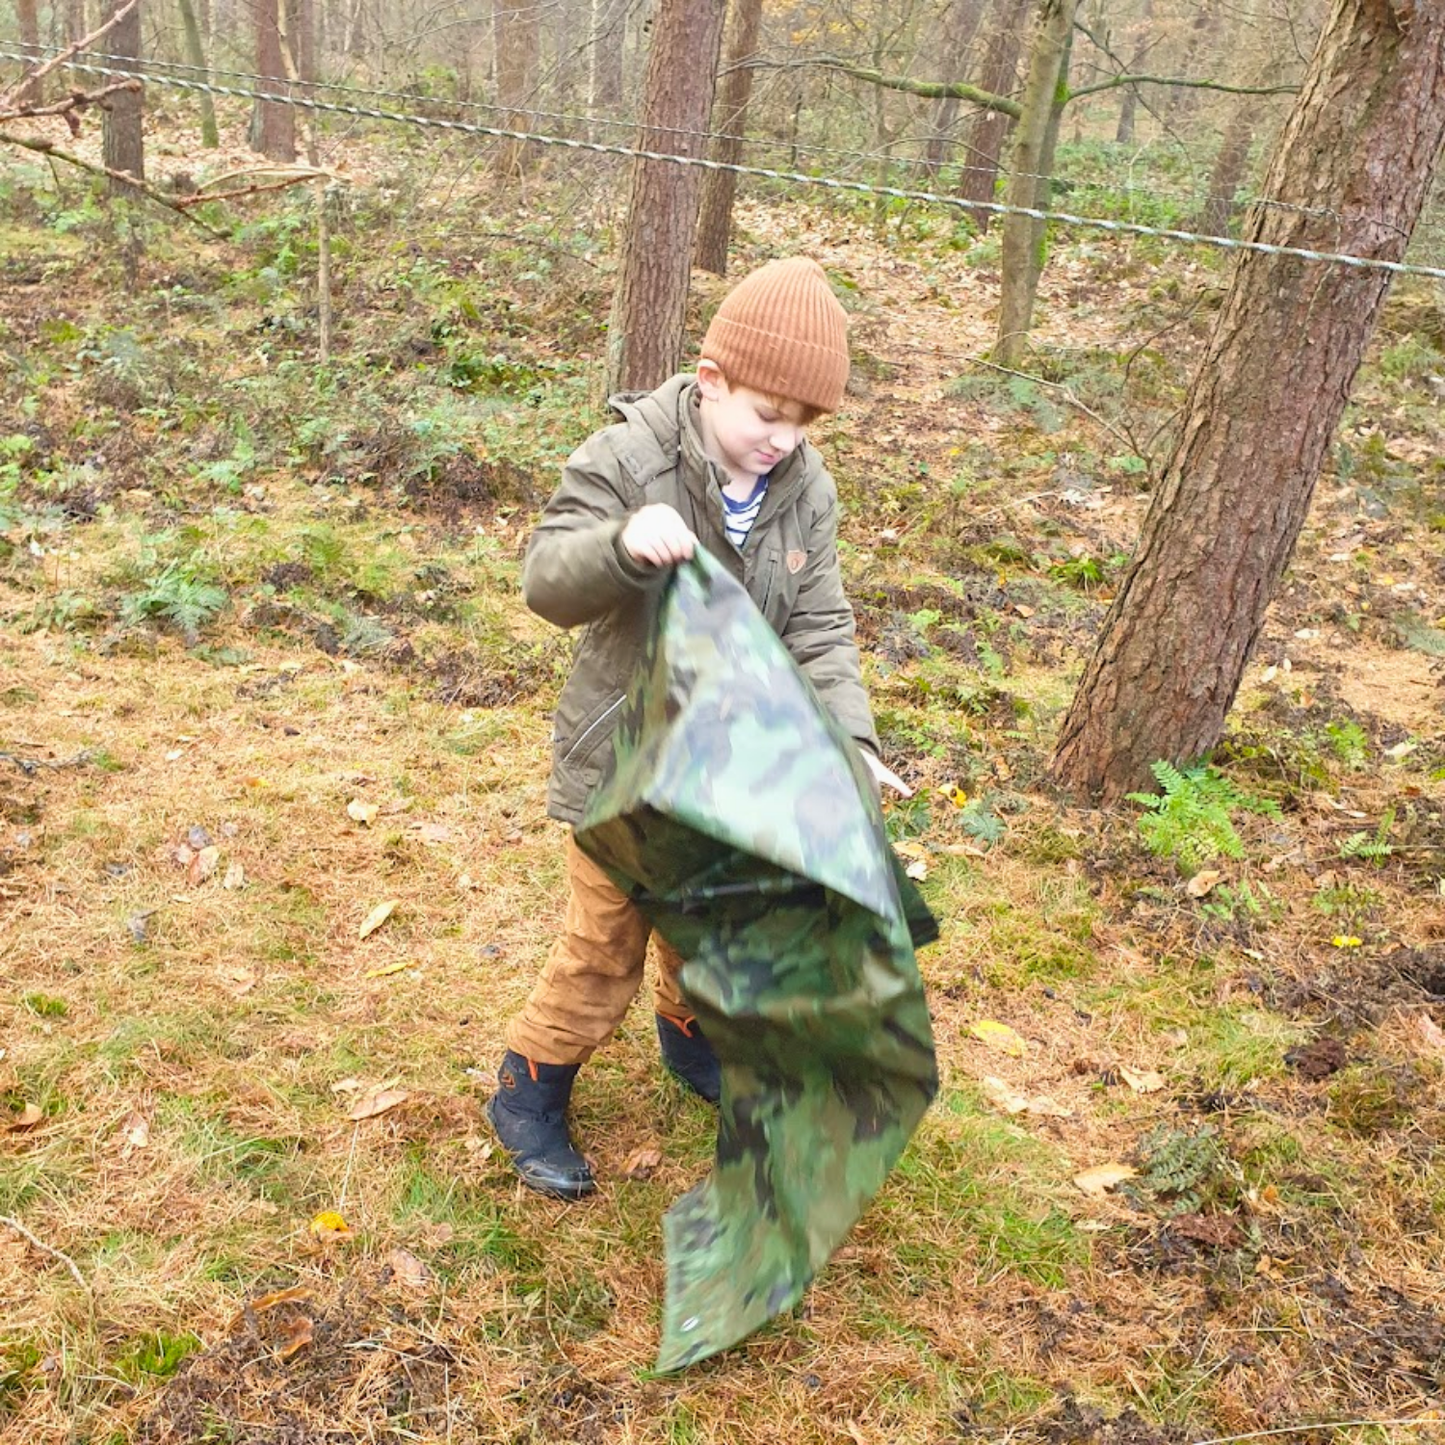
[(1361, 142), (122, 140), (273, 126), (1218, 208), (960, 25), (990, 128), (648, 312), (196, 56), (730, 115), (517, 38), (1023, 238)]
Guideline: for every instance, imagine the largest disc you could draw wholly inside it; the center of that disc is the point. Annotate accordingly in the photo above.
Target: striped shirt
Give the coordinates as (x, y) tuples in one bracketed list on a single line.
[(738, 517)]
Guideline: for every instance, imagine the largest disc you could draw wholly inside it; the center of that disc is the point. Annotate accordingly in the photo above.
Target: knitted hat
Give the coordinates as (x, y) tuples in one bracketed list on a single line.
[(781, 331)]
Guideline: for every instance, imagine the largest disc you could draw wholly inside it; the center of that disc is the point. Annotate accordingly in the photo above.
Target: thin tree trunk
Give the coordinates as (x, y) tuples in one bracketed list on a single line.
[(960, 25), (719, 188), (27, 20), (1023, 239), (1366, 131), (517, 39), (649, 310), (75, 26), (273, 125), (991, 128), (1218, 209), (1129, 101), (604, 82), (356, 31), (123, 142), (196, 56)]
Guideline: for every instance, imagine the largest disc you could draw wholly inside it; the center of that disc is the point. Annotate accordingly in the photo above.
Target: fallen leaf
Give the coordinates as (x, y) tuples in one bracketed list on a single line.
[(378, 1102), (391, 968), (364, 813), (346, 1086), (642, 1162), (1009, 1101), (431, 832), (329, 1225), (1142, 1081), (137, 1132), (278, 1297), (27, 1118), (998, 1036), (235, 878), (203, 865), (296, 1335), (917, 870), (1432, 1033), (1099, 1180), (408, 1269), (377, 917), (1203, 883)]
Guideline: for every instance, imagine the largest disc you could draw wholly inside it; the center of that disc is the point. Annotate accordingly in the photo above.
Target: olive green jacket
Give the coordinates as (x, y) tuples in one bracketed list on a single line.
[(576, 573)]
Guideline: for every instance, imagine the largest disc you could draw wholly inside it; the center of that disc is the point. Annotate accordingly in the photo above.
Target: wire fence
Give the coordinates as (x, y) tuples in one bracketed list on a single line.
[(285, 96)]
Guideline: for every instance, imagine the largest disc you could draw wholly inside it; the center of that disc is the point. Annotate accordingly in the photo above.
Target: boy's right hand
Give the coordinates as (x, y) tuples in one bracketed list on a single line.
[(657, 534)]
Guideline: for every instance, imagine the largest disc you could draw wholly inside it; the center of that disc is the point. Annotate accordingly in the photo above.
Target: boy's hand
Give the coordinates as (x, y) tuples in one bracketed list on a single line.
[(657, 534)]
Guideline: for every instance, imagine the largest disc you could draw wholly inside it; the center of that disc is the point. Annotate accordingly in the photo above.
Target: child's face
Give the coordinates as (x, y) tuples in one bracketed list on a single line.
[(747, 433)]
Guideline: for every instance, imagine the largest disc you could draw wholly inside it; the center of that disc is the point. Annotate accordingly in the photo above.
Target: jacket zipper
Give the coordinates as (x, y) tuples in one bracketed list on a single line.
[(592, 728)]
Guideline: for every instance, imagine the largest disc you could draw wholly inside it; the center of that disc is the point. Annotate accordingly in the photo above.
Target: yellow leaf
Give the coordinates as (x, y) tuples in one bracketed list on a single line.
[(378, 1102), (363, 813), (376, 918), (390, 969), (1203, 883), (1099, 1180), (1341, 940), (998, 1036), (330, 1225)]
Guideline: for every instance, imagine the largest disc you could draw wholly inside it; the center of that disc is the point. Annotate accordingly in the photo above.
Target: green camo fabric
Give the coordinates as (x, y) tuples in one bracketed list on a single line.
[(740, 818)]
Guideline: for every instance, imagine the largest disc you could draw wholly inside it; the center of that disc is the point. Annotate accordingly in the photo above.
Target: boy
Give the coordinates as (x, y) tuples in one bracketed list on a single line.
[(716, 460)]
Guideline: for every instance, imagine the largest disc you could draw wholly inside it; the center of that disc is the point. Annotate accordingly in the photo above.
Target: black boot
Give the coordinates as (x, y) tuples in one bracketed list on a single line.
[(689, 1056), (529, 1113)]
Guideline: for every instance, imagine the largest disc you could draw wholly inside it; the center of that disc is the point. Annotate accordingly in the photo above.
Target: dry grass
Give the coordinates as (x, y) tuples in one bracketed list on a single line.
[(195, 1048)]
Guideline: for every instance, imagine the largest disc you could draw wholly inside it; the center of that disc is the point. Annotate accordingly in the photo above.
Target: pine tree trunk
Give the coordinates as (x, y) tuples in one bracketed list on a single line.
[(1218, 209), (719, 188), (649, 310), (1024, 238), (196, 56), (991, 128), (517, 40), (1366, 131), (960, 24), (123, 142), (273, 125)]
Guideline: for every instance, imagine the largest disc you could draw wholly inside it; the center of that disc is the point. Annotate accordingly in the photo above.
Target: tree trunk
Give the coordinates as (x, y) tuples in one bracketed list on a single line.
[(517, 39), (273, 125), (122, 141), (991, 128), (27, 20), (960, 24), (356, 31), (731, 117), (604, 81), (1023, 238), (1218, 209), (75, 27), (1366, 131), (196, 56), (1129, 102), (649, 310)]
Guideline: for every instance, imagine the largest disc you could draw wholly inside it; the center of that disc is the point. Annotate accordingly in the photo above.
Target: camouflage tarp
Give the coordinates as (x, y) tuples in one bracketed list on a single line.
[(741, 819)]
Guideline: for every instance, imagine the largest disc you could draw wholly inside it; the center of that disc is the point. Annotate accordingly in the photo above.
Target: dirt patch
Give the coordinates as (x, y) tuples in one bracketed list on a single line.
[(1403, 687)]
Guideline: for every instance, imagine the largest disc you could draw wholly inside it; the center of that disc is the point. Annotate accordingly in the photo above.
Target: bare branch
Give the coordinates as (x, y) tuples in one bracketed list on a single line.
[(12, 97), (44, 1248), (1115, 82), (72, 105), (929, 89)]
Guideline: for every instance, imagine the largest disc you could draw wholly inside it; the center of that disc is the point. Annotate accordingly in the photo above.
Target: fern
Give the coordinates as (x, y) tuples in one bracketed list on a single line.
[(1363, 845), (1183, 1171), (176, 597), (1191, 818)]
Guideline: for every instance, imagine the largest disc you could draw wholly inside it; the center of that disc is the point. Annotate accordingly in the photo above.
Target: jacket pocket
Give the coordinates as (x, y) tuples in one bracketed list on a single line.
[(593, 731)]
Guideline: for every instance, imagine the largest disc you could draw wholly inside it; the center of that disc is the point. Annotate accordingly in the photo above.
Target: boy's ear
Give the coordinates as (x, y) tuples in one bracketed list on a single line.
[(710, 380)]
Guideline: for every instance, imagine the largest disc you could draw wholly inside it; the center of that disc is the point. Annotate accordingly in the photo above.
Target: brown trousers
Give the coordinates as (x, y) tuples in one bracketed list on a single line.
[(593, 973)]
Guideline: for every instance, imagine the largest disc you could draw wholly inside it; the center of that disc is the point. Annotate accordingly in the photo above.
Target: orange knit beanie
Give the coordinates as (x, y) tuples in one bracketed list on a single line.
[(781, 331)]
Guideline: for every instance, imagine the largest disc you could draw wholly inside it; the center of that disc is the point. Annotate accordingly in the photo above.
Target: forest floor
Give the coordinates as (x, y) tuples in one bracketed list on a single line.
[(264, 670)]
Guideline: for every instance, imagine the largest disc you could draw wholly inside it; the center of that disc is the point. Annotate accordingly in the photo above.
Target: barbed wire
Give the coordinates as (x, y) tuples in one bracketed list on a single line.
[(1191, 197), (797, 178)]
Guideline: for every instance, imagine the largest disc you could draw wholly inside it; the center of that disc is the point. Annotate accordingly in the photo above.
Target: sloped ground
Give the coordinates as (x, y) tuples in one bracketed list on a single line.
[(207, 793)]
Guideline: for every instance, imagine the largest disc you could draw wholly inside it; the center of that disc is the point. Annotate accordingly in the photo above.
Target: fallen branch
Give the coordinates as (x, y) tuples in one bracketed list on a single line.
[(44, 1248), (71, 106), (29, 766), (201, 197), (49, 148)]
